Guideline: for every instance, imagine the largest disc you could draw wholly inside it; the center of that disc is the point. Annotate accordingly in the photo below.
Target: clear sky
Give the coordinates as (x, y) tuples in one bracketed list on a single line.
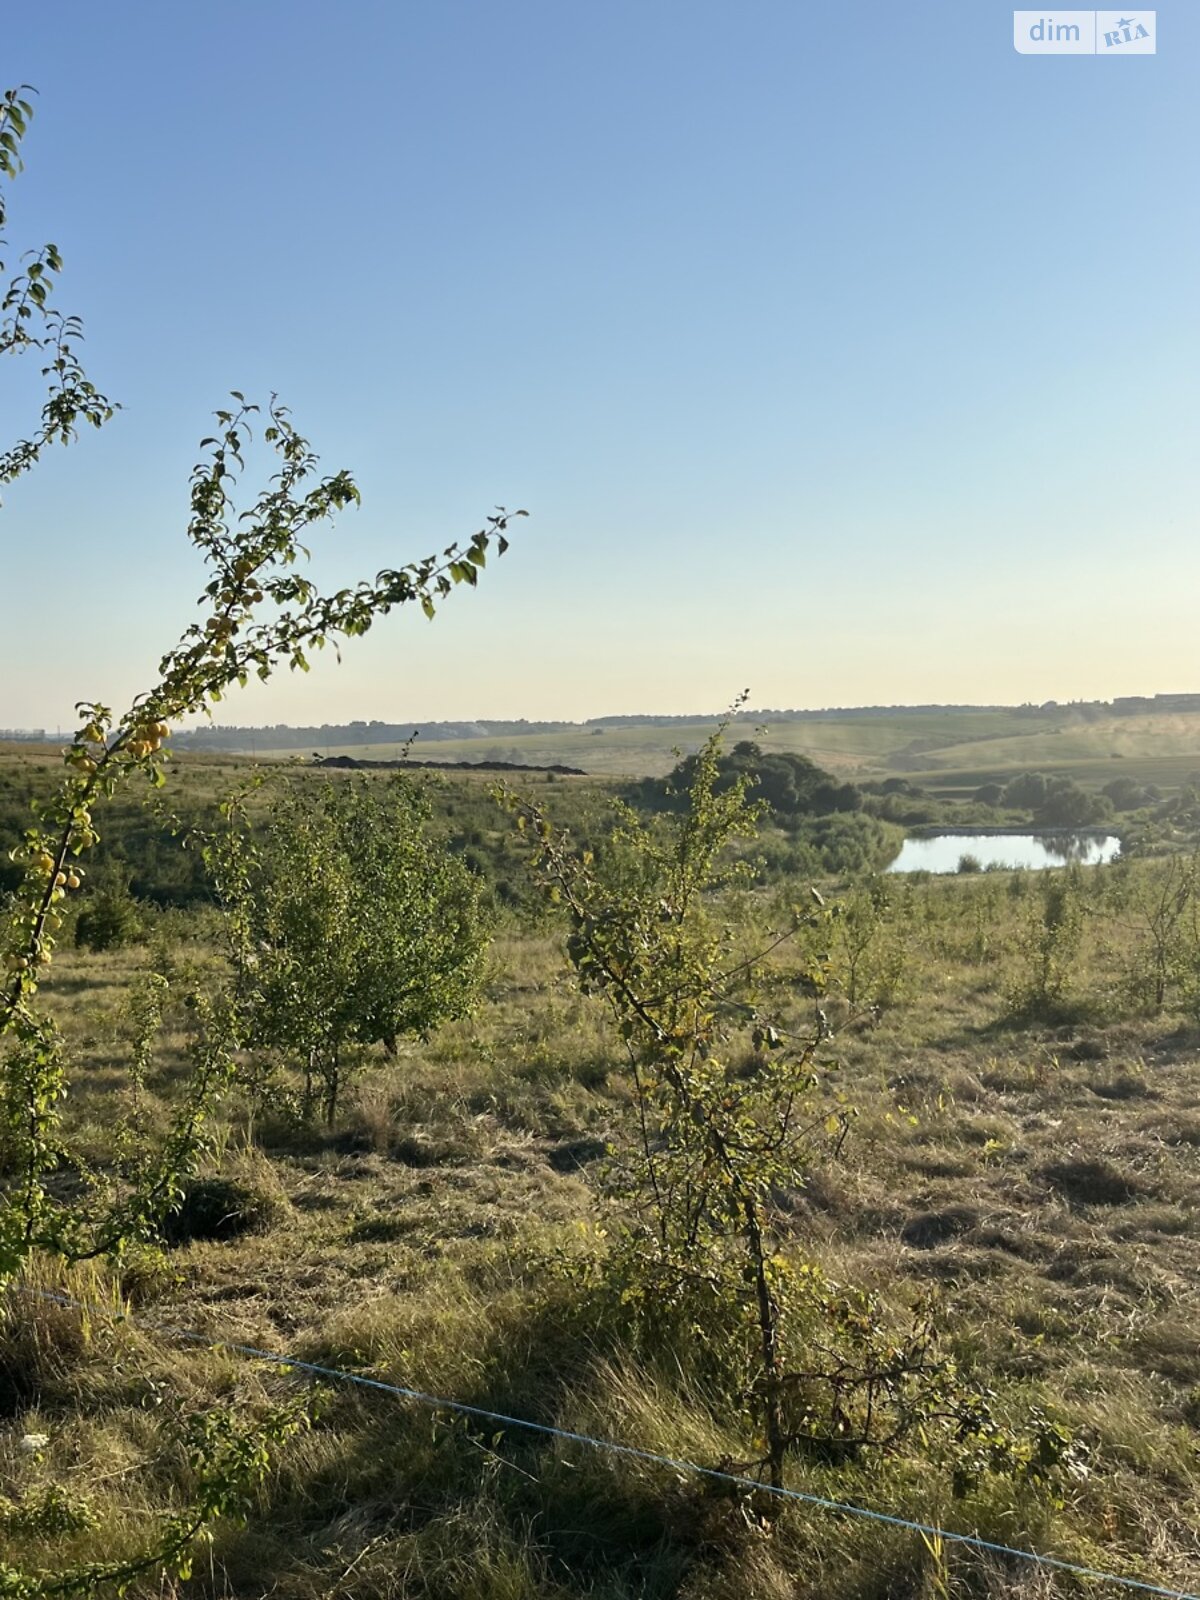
[(838, 351)]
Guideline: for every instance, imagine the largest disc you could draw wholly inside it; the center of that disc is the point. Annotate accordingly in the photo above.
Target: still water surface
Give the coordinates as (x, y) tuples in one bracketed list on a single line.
[(944, 851)]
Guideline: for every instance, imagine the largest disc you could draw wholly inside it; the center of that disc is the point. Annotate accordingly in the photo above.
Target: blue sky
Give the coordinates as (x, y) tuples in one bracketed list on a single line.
[(840, 352)]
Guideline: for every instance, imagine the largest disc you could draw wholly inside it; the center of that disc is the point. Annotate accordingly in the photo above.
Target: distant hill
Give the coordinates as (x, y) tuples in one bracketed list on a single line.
[(1150, 739), (344, 735)]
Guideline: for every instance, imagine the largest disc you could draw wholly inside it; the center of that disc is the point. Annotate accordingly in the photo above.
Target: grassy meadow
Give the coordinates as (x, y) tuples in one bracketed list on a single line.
[(1023, 1156)]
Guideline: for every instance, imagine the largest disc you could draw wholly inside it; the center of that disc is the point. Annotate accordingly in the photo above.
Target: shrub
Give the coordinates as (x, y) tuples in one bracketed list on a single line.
[(350, 925), (1066, 805), (47, 1513), (1025, 793), (849, 846), (1128, 795), (108, 920), (1048, 944), (866, 956)]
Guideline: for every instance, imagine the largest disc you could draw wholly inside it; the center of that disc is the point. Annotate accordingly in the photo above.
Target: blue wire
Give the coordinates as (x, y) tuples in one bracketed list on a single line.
[(842, 1507)]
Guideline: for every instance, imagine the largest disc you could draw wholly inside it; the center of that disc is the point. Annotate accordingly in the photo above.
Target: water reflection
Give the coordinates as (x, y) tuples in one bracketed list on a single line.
[(945, 851)]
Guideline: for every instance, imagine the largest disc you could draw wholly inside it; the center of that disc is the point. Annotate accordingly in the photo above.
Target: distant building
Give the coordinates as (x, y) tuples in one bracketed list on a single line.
[(1138, 704)]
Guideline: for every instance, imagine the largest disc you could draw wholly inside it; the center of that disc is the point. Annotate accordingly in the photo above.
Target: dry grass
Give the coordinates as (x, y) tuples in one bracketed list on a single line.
[(1040, 1179)]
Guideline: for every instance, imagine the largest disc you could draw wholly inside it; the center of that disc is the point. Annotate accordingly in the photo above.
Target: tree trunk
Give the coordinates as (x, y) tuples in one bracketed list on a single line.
[(773, 1422), (332, 1085)]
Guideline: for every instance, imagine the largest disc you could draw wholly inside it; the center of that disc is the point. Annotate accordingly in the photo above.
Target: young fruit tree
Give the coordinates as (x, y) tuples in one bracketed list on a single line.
[(350, 924), (731, 1110)]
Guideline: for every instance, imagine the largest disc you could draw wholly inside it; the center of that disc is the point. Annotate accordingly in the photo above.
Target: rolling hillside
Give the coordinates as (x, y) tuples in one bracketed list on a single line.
[(1159, 747)]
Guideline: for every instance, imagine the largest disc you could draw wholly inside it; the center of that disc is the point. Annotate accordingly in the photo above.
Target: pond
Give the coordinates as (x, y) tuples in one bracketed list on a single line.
[(944, 851)]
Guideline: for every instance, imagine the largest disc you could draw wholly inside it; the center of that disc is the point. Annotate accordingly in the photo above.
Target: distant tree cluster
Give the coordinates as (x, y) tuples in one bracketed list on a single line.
[(1127, 794), (792, 786), (897, 800), (1052, 802)]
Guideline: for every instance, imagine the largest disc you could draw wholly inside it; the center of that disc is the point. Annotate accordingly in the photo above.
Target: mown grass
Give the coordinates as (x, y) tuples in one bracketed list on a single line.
[(1036, 1171)]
